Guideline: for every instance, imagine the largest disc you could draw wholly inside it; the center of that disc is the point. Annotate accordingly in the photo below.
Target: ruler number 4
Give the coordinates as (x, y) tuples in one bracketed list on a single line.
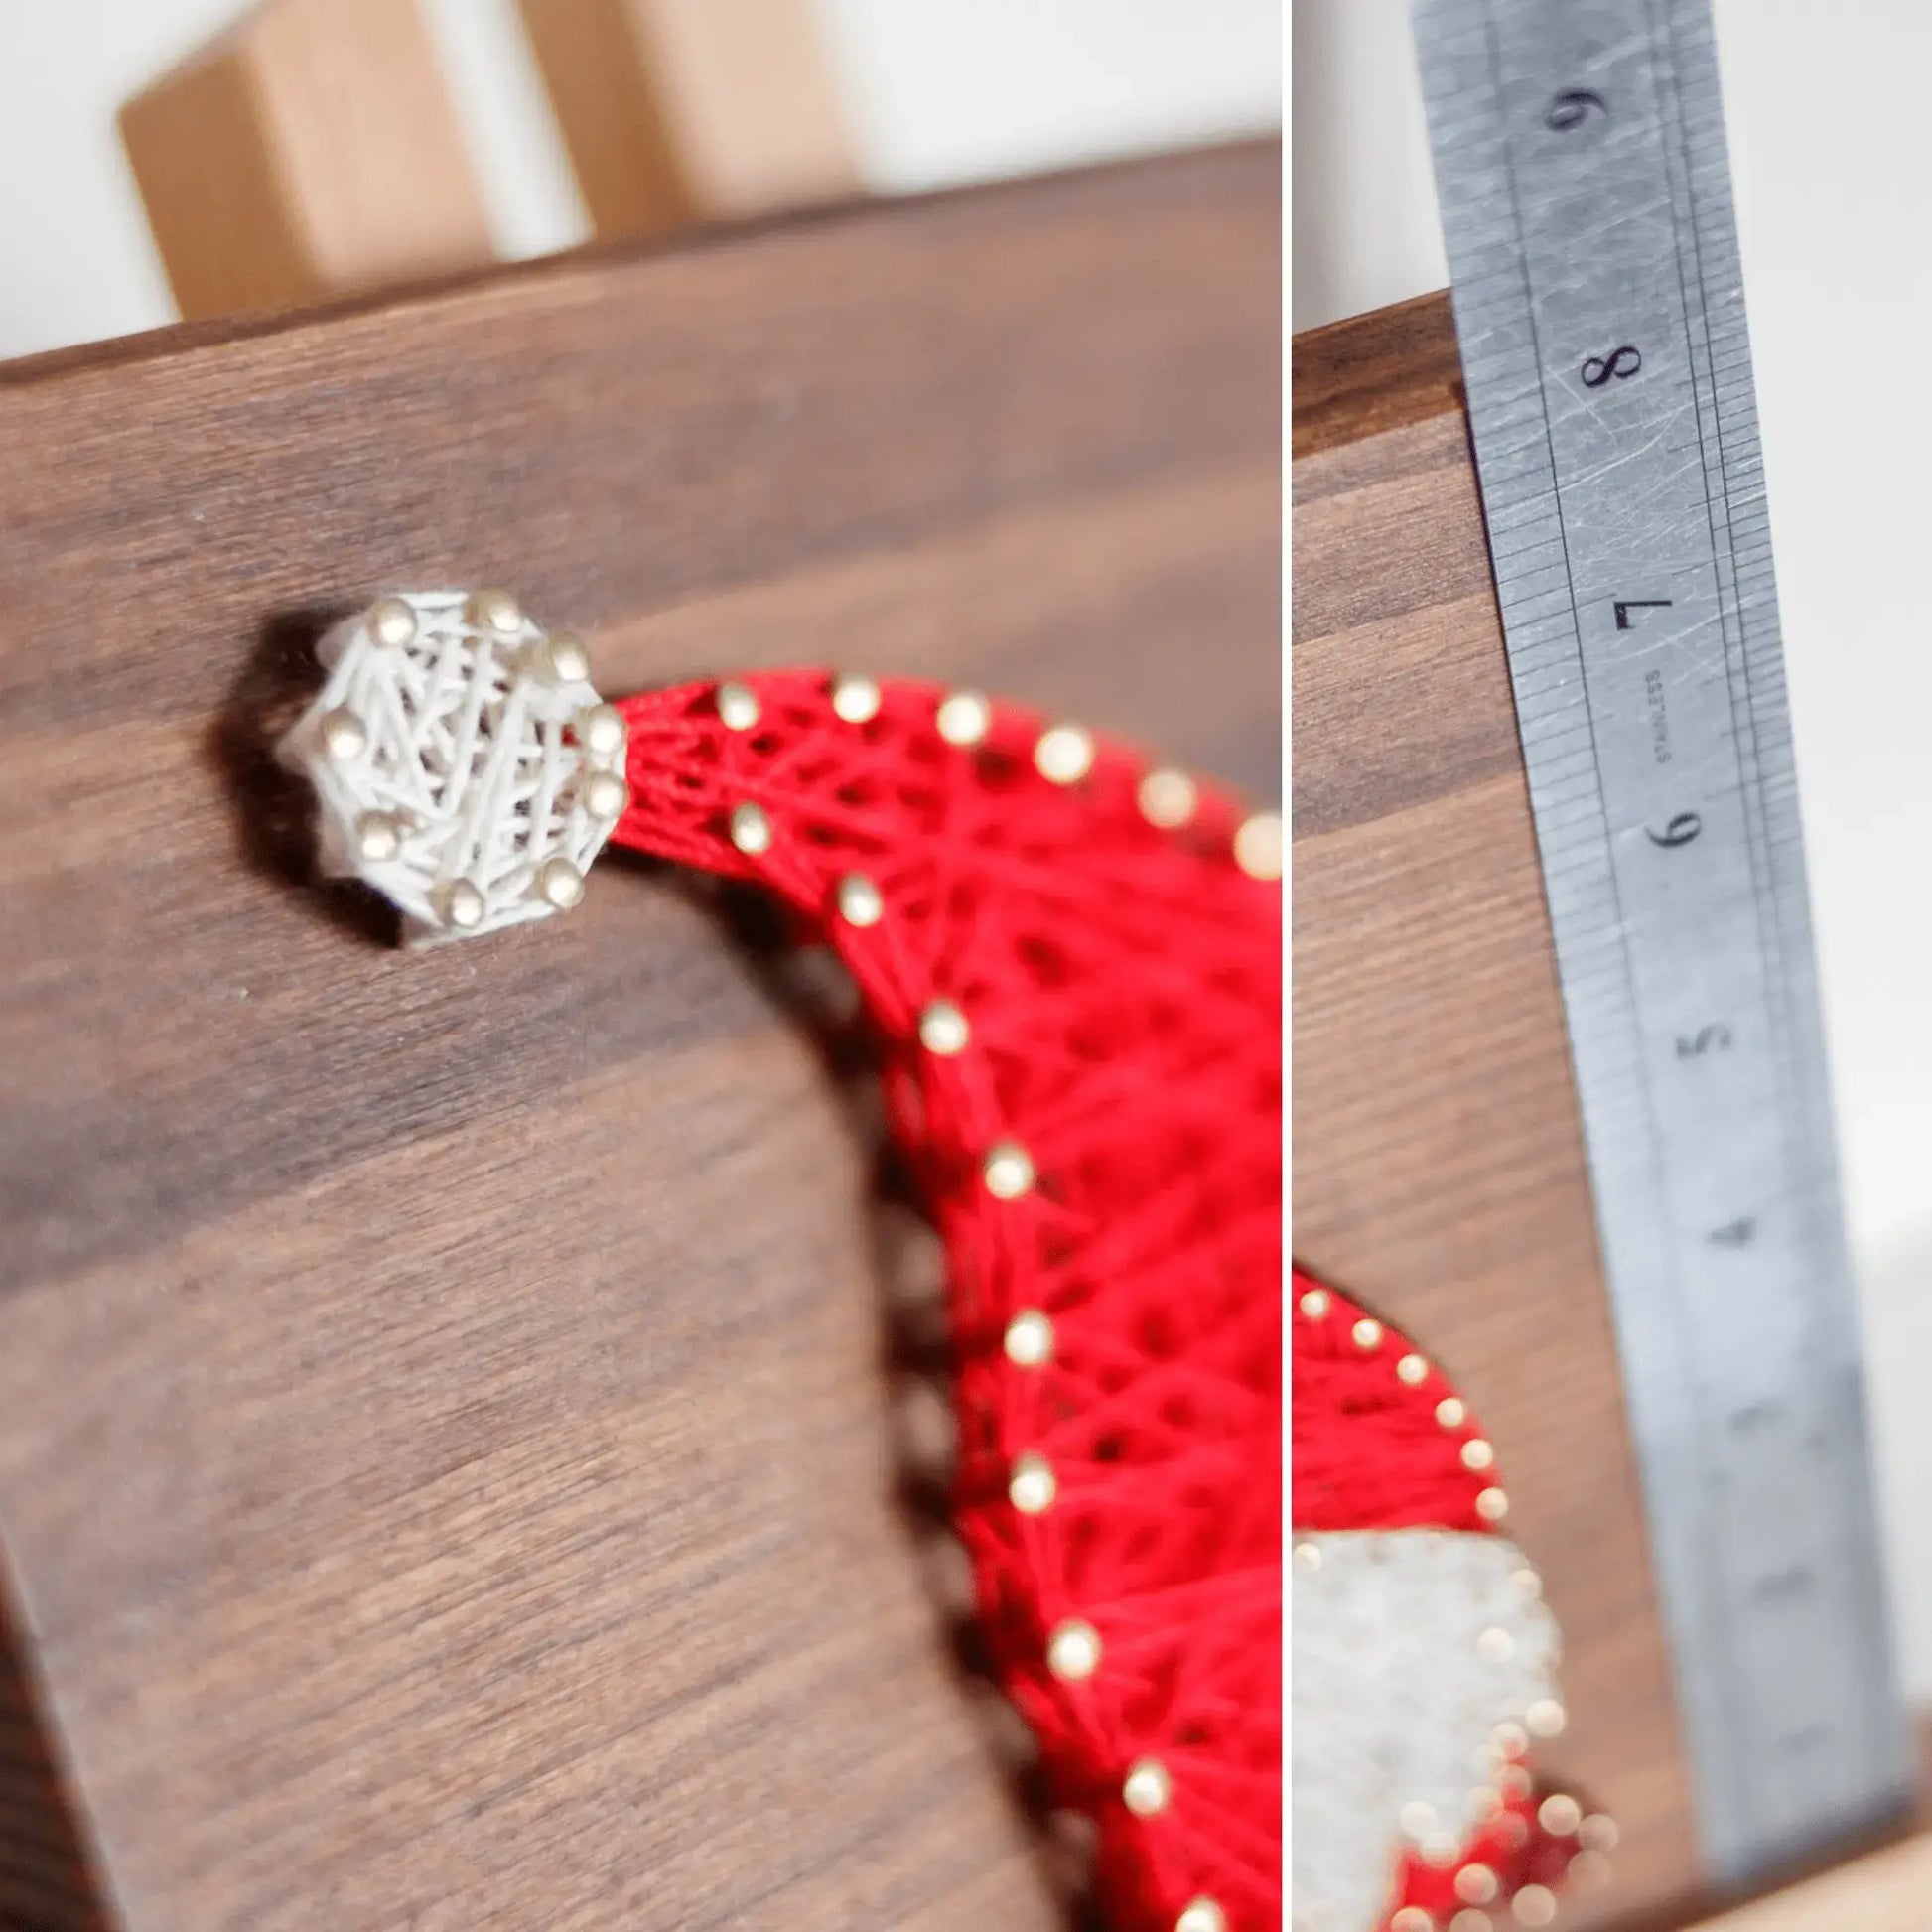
[(1571, 108)]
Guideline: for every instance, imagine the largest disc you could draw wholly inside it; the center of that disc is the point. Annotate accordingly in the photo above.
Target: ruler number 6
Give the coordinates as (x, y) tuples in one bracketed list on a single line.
[(1680, 831), (1622, 363)]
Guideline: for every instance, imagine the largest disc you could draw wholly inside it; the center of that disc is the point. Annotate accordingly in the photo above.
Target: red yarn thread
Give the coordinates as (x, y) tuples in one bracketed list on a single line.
[(1369, 1451), (1513, 1846), (1122, 985)]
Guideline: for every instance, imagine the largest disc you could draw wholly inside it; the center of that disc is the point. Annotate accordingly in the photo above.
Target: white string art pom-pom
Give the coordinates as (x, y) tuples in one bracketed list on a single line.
[(463, 763)]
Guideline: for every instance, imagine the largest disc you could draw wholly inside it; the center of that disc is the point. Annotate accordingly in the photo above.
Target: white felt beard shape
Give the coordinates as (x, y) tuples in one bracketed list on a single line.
[(1424, 1657)]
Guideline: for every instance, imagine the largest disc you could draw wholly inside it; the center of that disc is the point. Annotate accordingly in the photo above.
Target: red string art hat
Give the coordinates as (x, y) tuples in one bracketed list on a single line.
[(1072, 961), (1425, 1660)]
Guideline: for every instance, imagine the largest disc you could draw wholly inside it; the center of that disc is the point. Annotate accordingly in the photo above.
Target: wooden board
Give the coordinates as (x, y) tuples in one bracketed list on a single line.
[(444, 1456), (1438, 1170), (1882, 1892)]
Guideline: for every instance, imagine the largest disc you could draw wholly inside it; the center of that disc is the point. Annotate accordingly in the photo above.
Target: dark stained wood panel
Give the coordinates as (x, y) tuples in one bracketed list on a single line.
[(1382, 371), (447, 1457), (1438, 1170)]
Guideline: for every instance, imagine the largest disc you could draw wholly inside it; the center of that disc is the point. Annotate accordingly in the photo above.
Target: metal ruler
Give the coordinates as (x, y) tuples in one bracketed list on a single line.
[(1581, 164)]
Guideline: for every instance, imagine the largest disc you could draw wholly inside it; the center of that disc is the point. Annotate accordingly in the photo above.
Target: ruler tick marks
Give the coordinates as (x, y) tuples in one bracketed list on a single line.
[(1581, 164)]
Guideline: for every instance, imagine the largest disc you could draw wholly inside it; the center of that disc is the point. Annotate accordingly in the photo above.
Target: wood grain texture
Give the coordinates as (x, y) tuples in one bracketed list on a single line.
[(310, 149), (1438, 1170), (677, 112), (445, 1457), (1385, 370)]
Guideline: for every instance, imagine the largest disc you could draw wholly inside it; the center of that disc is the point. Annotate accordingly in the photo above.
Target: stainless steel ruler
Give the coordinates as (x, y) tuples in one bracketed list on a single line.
[(1581, 164)]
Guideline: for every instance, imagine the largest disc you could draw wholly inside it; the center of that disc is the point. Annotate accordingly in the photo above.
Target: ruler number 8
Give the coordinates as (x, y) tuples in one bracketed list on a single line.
[(1622, 363)]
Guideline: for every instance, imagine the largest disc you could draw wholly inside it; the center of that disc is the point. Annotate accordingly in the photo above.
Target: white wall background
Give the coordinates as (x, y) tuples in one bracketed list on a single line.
[(939, 92), (1832, 152)]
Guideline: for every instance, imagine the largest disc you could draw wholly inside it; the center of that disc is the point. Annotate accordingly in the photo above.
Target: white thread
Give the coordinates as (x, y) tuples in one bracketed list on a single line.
[(1394, 1700), (467, 745)]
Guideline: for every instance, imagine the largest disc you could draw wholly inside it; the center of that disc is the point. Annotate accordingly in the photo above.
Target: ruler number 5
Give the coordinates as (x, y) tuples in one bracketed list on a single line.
[(1715, 1035)]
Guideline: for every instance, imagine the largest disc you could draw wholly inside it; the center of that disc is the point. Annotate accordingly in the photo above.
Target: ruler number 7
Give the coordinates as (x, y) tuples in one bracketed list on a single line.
[(1624, 605)]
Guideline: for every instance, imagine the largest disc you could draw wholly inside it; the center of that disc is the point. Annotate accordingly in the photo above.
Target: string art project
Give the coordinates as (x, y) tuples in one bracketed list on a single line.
[(1424, 1658), (1072, 961)]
